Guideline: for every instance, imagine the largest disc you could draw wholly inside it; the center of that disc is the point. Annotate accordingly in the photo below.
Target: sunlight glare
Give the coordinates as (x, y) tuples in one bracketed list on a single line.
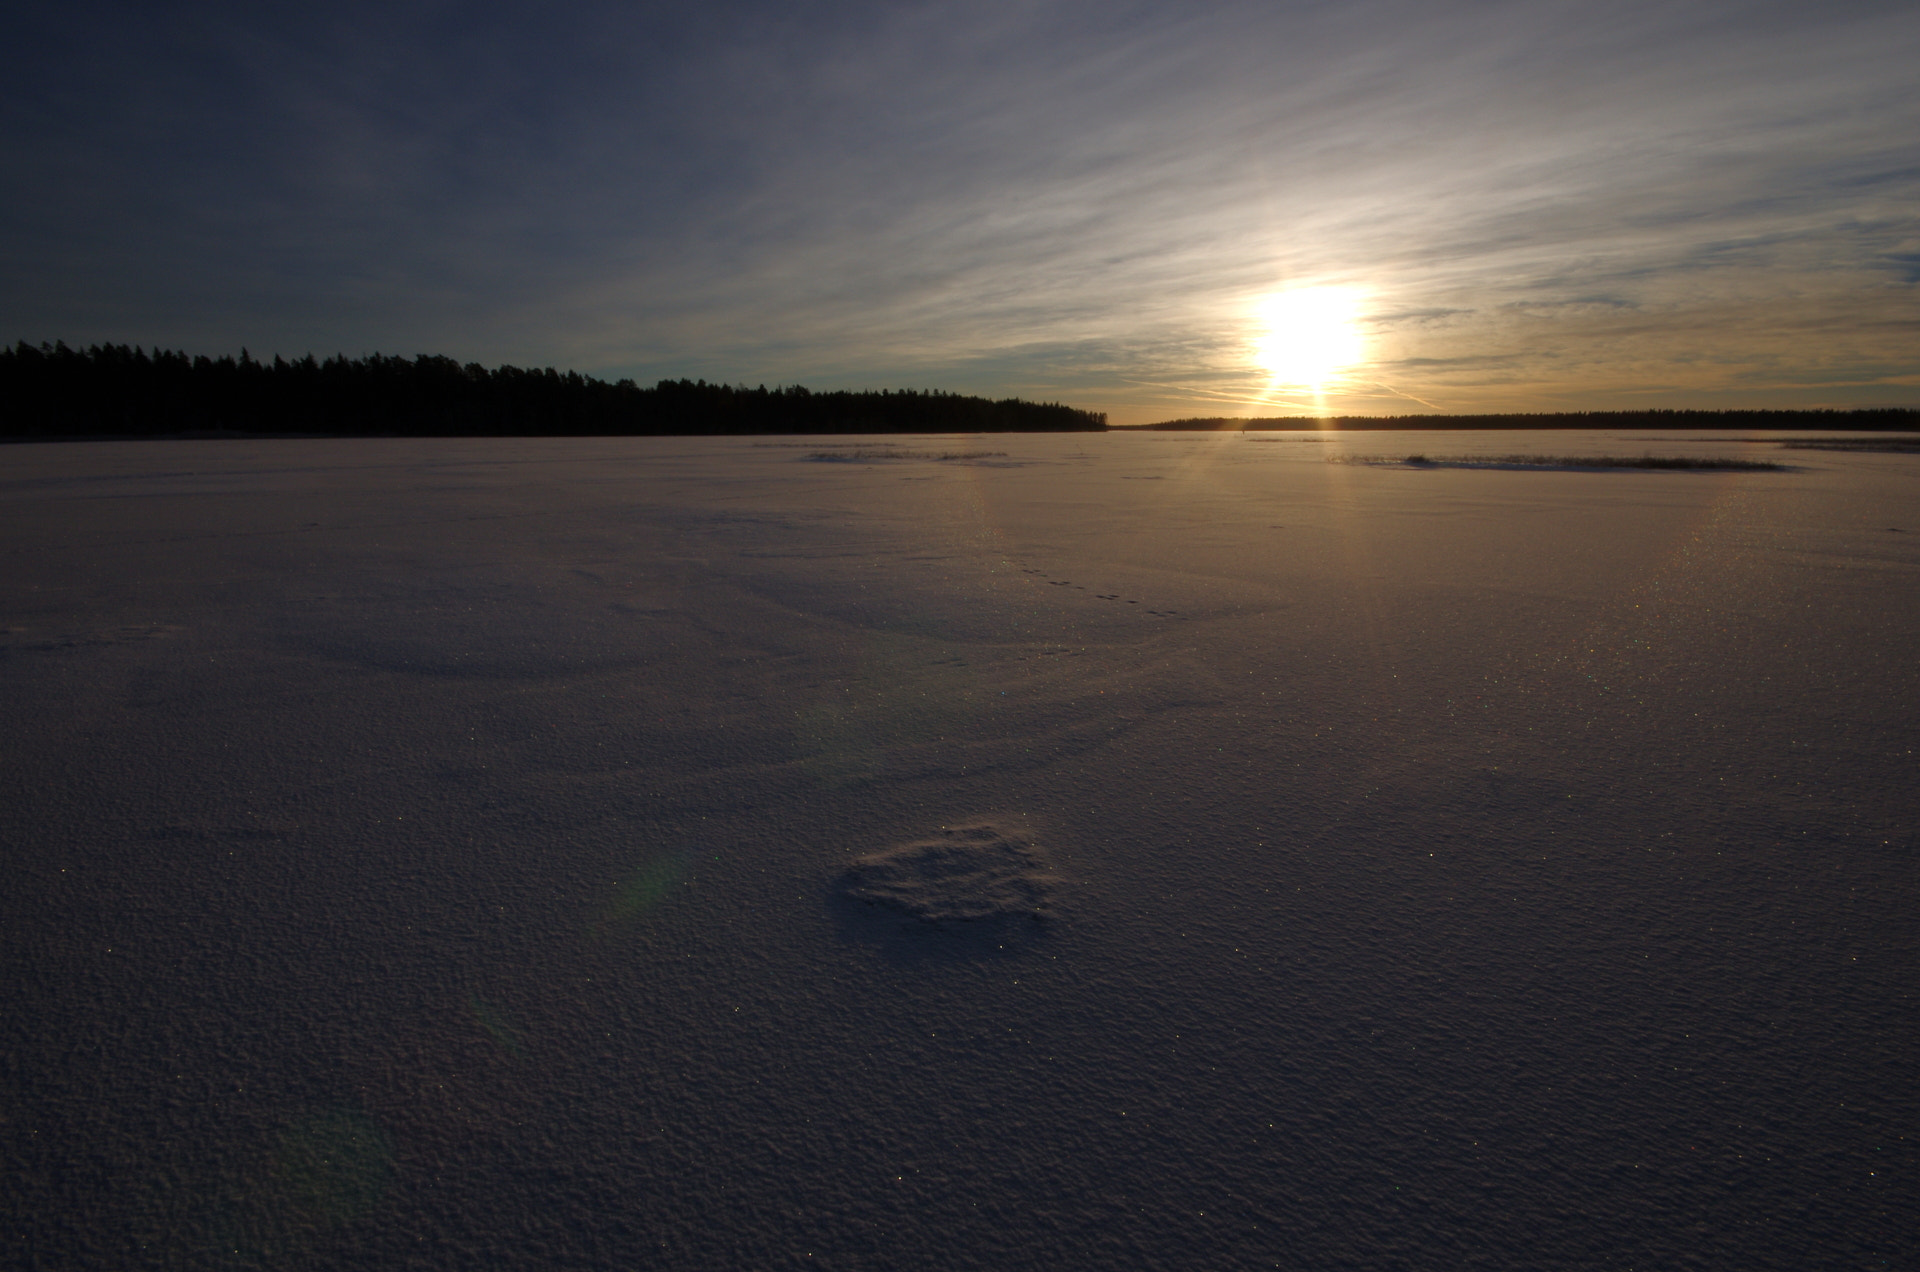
[(1308, 336)]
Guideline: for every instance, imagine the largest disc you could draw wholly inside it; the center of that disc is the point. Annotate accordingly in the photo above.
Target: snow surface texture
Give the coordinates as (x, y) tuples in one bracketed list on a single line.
[(435, 854)]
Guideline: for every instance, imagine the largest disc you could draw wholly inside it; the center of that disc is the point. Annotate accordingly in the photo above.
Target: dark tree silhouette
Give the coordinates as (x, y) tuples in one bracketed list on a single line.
[(50, 390)]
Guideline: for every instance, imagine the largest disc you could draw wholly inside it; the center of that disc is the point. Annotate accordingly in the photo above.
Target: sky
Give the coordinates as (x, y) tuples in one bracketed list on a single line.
[(1155, 210)]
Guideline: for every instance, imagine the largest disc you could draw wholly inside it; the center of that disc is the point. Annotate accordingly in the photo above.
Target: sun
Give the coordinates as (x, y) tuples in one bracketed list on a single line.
[(1308, 336)]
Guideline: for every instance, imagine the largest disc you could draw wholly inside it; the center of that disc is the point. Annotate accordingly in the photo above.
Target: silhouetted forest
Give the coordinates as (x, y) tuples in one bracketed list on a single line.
[(114, 390), (1865, 420)]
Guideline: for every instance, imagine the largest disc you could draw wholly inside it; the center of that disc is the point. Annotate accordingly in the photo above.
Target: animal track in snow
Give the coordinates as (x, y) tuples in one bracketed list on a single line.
[(1104, 596)]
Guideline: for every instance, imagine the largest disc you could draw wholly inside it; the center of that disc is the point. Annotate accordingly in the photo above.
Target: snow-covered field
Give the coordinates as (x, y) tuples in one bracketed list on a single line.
[(1138, 850)]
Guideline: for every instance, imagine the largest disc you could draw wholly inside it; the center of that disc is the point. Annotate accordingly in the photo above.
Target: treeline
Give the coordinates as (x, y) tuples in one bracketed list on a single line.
[(1864, 420), (115, 390)]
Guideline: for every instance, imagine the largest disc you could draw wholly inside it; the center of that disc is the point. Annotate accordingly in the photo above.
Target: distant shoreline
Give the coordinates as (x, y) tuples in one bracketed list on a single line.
[(1899, 420), (50, 392), (1862, 420)]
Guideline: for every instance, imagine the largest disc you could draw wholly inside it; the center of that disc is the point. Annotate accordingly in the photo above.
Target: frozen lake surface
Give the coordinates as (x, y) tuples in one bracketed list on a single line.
[(1138, 850)]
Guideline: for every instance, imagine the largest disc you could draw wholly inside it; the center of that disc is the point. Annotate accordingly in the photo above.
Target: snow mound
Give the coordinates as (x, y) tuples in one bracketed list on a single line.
[(961, 874)]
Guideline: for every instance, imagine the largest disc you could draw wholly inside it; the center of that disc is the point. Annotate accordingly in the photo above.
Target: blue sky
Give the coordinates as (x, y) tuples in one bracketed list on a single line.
[(1530, 205)]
